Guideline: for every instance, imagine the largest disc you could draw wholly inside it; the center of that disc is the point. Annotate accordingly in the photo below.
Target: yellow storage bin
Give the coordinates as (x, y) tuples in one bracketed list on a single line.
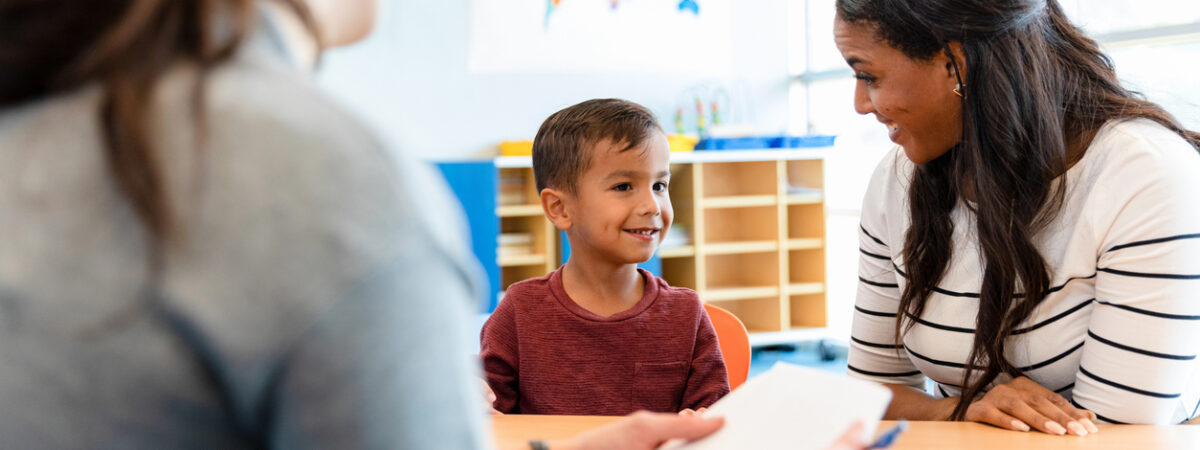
[(681, 142), (516, 148), (676, 142)]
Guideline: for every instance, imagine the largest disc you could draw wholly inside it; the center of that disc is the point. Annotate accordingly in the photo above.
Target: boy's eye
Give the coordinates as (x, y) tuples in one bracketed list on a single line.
[(869, 80), (622, 187), (660, 186)]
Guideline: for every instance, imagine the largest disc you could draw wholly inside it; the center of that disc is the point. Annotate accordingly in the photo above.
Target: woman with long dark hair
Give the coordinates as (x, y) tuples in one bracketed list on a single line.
[(1033, 245), (199, 250)]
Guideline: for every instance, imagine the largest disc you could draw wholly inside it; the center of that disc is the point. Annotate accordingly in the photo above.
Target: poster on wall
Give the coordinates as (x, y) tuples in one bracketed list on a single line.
[(590, 36)]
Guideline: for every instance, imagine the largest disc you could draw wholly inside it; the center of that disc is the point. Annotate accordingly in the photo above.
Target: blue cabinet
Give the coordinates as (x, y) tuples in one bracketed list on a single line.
[(475, 184), (509, 234)]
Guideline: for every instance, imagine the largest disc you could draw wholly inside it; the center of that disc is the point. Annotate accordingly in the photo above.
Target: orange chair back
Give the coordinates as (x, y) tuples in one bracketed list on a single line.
[(734, 341)]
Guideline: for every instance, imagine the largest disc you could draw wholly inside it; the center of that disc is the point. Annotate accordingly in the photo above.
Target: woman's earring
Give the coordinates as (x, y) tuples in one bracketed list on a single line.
[(958, 89)]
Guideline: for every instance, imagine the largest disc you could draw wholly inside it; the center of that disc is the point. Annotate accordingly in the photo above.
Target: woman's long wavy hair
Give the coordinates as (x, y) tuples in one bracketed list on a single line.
[(52, 46), (1035, 87)]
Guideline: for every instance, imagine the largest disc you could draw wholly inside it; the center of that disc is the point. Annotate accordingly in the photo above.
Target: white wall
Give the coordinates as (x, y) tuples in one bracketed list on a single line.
[(410, 80)]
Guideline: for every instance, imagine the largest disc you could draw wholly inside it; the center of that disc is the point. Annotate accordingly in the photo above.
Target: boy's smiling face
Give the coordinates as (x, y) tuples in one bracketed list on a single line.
[(621, 207)]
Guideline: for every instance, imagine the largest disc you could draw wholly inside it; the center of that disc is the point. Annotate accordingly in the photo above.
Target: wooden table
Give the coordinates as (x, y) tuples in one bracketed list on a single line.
[(511, 431)]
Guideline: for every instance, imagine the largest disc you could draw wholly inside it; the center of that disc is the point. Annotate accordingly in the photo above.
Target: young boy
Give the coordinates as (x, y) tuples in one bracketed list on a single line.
[(599, 336)]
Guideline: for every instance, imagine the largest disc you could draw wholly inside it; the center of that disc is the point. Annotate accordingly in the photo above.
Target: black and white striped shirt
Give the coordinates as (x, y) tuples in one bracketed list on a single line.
[(1120, 331)]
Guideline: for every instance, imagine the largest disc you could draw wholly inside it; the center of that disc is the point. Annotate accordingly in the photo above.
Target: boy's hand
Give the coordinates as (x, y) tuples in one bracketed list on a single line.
[(489, 397), (690, 412)]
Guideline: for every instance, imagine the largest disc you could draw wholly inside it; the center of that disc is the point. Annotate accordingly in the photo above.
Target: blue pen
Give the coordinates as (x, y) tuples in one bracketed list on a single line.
[(889, 437)]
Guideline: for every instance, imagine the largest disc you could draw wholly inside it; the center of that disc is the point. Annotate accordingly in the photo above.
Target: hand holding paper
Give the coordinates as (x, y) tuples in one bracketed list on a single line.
[(792, 407)]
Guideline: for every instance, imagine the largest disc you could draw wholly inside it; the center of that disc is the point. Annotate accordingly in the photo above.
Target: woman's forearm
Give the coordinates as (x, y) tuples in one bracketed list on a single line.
[(912, 404)]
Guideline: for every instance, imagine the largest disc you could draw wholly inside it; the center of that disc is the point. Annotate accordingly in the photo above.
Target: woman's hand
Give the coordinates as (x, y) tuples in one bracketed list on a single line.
[(690, 412), (489, 398), (643, 430), (1022, 403), (851, 439)]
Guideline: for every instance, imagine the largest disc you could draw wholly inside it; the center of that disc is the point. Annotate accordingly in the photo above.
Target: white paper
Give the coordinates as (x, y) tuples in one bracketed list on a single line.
[(793, 407)]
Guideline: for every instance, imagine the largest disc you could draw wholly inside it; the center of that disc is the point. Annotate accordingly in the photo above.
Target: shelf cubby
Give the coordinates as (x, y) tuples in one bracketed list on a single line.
[(516, 187), (742, 270), (807, 311), (514, 274), (680, 272), (733, 179), (744, 224), (806, 266), (806, 221), (805, 178), (760, 315)]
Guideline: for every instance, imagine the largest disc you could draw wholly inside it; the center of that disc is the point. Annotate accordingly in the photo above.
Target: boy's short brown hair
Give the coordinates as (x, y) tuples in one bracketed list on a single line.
[(560, 150)]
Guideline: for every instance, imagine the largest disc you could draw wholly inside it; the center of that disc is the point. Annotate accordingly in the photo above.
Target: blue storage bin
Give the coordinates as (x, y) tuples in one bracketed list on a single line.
[(765, 142)]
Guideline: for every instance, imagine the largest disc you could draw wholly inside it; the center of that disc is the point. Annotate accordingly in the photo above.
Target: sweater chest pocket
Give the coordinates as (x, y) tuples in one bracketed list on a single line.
[(659, 386)]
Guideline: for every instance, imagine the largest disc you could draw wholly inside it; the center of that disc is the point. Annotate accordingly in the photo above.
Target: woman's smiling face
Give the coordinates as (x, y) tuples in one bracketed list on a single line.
[(914, 98)]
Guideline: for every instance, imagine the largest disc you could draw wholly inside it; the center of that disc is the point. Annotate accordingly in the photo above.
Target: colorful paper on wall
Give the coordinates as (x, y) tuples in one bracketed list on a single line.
[(589, 36)]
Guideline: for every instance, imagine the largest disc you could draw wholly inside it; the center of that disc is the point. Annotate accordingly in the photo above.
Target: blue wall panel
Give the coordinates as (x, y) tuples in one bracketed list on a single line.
[(476, 184)]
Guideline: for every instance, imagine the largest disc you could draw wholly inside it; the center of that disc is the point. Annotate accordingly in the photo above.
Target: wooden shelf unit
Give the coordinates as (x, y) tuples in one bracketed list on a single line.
[(758, 235), (805, 292), (519, 209)]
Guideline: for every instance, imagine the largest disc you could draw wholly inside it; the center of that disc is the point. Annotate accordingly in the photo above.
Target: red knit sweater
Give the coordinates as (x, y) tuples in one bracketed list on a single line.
[(544, 354)]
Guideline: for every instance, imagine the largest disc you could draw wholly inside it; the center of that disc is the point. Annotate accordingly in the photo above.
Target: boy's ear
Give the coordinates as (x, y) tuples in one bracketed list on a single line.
[(555, 206)]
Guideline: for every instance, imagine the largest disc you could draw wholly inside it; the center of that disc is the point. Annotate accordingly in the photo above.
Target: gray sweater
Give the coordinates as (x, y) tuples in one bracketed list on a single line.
[(316, 297)]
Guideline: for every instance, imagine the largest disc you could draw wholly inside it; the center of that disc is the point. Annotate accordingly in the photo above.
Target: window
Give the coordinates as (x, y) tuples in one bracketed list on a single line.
[(1165, 73), (1156, 50), (1102, 17)]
